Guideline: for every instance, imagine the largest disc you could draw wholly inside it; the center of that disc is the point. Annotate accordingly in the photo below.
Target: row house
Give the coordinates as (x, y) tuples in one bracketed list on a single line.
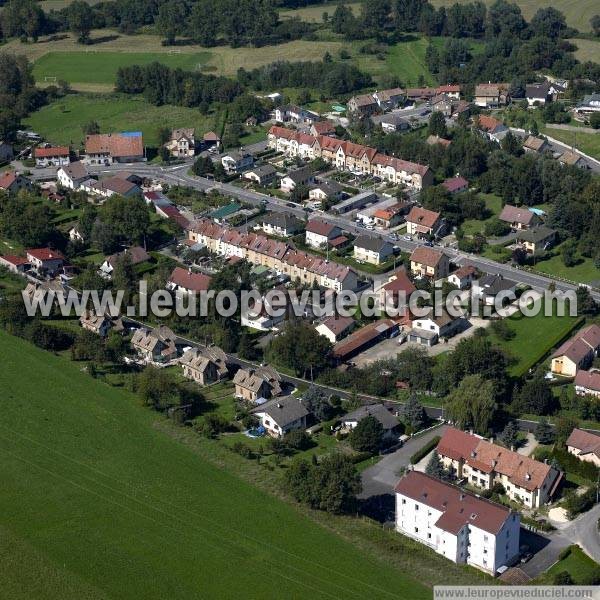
[(52, 156)]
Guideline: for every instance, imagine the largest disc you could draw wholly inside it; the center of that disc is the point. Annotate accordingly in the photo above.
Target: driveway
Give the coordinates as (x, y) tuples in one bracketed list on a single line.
[(382, 477)]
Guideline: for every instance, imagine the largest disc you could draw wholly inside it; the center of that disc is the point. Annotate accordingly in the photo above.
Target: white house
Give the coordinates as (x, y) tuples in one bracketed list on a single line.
[(373, 250), (336, 327), (51, 156), (72, 176), (437, 324), (584, 445), (464, 528), (303, 176), (236, 162), (318, 233), (282, 415)]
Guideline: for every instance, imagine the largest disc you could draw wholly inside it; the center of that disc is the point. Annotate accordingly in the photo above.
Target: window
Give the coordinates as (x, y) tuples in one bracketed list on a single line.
[(416, 530), (485, 538), (428, 536), (416, 507), (403, 500), (485, 550)]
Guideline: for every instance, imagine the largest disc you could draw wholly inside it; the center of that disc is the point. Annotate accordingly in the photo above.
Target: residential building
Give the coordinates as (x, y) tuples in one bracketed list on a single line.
[(584, 445), (264, 175), (322, 128), (456, 185), (39, 292), (71, 176), (187, 282), (318, 233), (535, 145), (6, 152), (362, 105), (442, 104), (589, 105), (463, 276), (253, 384), (211, 140), (290, 113), (335, 328), (75, 235), (573, 159), (429, 263), (205, 365), (493, 129), (451, 90), (44, 259), (51, 156), (436, 325), (396, 291), (391, 216), (423, 222), (303, 176), (136, 254), (108, 148), (325, 191), (101, 324), (536, 239), (12, 182), (577, 353), (537, 94), (236, 162), (379, 412), (420, 94), (491, 286), (117, 185), (282, 415), (587, 383), (281, 224), (182, 143), (372, 250), (518, 217), (15, 264), (462, 527), (391, 122), (483, 464), (492, 95), (156, 345), (364, 338), (389, 99)]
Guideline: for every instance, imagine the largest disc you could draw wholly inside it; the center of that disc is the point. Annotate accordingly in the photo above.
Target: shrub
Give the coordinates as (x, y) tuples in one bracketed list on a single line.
[(425, 450), (243, 450)]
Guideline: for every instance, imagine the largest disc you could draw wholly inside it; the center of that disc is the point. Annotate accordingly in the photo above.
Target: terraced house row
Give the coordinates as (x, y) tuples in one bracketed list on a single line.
[(279, 256), (348, 156)]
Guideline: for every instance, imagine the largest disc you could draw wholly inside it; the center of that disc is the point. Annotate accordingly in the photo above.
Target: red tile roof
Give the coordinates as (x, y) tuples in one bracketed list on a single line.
[(52, 151), (115, 144), (323, 127), (513, 214), (320, 227), (487, 123), (400, 283), (455, 183), (15, 260), (458, 508), (426, 256), (44, 254), (195, 282), (422, 217), (7, 179)]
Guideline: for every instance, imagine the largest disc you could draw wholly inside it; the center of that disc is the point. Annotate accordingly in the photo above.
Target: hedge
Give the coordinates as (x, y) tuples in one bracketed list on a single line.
[(425, 450)]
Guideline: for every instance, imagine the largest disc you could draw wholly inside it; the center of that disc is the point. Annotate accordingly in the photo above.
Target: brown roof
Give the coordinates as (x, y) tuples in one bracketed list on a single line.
[(466, 271), (459, 508), (320, 227), (115, 144), (14, 260), (7, 179), (426, 256), (584, 441), (338, 324), (488, 123), (363, 100), (45, 254), (362, 337), (399, 283), (570, 158), (52, 151), (323, 127), (590, 380), (534, 143), (423, 217), (195, 282), (513, 214), (116, 184), (76, 170), (432, 140), (136, 253), (587, 340)]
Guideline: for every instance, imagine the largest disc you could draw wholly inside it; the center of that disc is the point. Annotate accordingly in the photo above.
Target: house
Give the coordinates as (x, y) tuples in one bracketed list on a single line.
[(571, 158), (492, 95), (587, 383), (491, 285), (335, 328), (364, 338), (536, 145), (429, 263), (211, 140), (290, 113), (420, 94), (436, 325), (362, 105), (589, 105), (421, 222), (136, 254), (456, 185), (205, 365), (442, 104), (51, 156), (451, 90), (537, 239), (44, 259), (39, 292), (6, 152), (322, 128), (583, 444), (389, 99), (269, 314), (577, 353), (71, 176), (236, 162), (281, 224), (263, 175), (325, 191), (391, 215), (187, 282), (12, 182), (182, 143), (252, 384), (101, 324), (339, 243), (464, 528), (282, 415), (117, 185), (108, 148), (15, 264), (396, 291), (303, 176), (483, 464), (156, 345), (392, 122), (518, 218), (372, 250), (318, 233), (494, 129), (436, 140), (540, 93), (379, 412), (463, 277)]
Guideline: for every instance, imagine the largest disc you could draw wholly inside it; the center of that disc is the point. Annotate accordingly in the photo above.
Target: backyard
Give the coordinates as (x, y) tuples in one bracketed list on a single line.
[(583, 272)]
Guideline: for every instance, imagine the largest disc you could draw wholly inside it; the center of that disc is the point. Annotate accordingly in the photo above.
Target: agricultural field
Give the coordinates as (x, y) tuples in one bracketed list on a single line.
[(587, 49), (49, 5), (62, 121), (99, 502), (577, 14)]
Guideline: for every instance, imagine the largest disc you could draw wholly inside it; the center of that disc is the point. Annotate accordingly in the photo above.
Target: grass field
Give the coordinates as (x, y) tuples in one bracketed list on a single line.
[(62, 121), (589, 143), (583, 272), (98, 503), (587, 49), (578, 564), (577, 14), (314, 14), (534, 338), (494, 204)]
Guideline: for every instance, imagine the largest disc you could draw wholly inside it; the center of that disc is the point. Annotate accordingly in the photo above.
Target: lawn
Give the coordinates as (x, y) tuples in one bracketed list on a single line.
[(534, 338), (494, 205), (578, 564), (61, 122), (588, 143), (99, 502), (583, 272)]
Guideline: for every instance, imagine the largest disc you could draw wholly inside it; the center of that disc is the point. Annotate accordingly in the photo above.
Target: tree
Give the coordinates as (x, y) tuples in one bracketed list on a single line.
[(510, 435), (544, 433), (536, 396), (435, 468), (563, 428), (413, 414), (548, 23), (317, 403), (367, 435), (472, 404), (595, 120), (80, 17), (91, 128), (157, 388), (595, 24), (437, 124), (171, 19)]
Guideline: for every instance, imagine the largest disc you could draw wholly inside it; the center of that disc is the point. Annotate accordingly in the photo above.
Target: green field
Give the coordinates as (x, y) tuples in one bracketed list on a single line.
[(534, 338), (587, 49), (61, 122), (101, 67), (97, 502), (583, 272), (494, 205), (578, 564), (588, 143), (314, 13)]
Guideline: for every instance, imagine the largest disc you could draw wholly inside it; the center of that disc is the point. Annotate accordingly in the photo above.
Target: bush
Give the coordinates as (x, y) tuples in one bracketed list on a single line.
[(243, 450), (562, 578), (425, 450)]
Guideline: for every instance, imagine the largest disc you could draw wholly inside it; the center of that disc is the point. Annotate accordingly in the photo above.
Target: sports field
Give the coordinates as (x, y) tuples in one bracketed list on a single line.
[(97, 503)]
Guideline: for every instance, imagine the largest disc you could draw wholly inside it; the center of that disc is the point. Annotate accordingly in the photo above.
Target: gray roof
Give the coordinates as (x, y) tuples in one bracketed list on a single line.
[(537, 234), (300, 175), (283, 410), (537, 90), (283, 221), (263, 170), (493, 284), (372, 243), (378, 411)]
